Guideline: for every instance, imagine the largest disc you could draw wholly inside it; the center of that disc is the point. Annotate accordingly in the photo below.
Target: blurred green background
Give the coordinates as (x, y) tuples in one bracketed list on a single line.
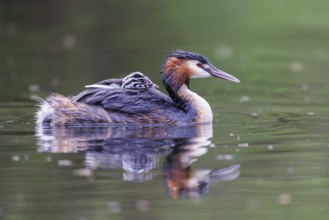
[(63, 45)]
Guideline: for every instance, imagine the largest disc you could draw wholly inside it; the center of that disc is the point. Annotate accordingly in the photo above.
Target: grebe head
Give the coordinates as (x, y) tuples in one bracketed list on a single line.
[(180, 66), (137, 80)]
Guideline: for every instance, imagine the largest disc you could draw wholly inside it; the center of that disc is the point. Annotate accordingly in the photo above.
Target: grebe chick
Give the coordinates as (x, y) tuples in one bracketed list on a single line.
[(142, 106), (135, 80)]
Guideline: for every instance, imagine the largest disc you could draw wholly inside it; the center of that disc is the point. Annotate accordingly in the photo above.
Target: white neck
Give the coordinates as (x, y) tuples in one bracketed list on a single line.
[(200, 105)]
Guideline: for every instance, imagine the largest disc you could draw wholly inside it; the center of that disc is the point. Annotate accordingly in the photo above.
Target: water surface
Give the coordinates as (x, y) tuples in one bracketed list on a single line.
[(264, 157)]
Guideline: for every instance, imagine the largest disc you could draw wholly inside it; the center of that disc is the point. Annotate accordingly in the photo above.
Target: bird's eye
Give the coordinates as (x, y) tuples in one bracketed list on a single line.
[(199, 65)]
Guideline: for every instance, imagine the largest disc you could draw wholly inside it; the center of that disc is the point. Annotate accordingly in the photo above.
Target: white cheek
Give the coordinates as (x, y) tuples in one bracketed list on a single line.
[(197, 72)]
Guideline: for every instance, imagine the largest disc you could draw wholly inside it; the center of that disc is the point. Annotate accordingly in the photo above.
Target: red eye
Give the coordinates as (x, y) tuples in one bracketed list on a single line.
[(199, 65)]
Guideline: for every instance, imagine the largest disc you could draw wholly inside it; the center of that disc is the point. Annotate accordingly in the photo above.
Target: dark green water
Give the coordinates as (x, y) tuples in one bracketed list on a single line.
[(274, 124)]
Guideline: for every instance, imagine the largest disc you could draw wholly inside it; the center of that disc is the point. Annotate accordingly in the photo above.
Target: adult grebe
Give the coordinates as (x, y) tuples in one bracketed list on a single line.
[(142, 106)]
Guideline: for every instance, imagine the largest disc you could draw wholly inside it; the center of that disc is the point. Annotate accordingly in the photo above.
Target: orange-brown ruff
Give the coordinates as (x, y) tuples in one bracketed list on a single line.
[(143, 106)]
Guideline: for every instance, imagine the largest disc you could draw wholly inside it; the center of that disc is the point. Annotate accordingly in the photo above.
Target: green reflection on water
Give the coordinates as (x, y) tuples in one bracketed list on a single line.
[(274, 124)]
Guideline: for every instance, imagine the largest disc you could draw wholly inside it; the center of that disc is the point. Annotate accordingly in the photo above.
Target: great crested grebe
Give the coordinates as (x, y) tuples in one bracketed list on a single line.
[(135, 80), (142, 106)]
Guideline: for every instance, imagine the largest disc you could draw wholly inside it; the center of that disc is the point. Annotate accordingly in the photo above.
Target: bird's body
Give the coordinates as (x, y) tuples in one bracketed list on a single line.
[(143, 106)]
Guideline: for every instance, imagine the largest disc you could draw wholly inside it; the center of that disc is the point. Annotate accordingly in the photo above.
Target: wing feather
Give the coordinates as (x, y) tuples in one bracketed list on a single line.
[(127, 101)]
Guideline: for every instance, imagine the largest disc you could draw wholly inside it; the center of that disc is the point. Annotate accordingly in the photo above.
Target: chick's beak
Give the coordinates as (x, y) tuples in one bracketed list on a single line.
[(221, 74)]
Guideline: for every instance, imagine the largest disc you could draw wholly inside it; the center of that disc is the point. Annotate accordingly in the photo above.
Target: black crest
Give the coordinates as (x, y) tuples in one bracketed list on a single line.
[(181, 54)]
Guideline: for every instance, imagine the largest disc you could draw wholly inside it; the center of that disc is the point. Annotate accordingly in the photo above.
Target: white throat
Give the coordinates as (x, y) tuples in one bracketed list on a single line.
[(201, 106)]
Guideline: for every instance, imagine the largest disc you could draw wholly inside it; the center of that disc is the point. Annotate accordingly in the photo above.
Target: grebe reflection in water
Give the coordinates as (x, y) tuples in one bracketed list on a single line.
[(143, 106), (137, 151)]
